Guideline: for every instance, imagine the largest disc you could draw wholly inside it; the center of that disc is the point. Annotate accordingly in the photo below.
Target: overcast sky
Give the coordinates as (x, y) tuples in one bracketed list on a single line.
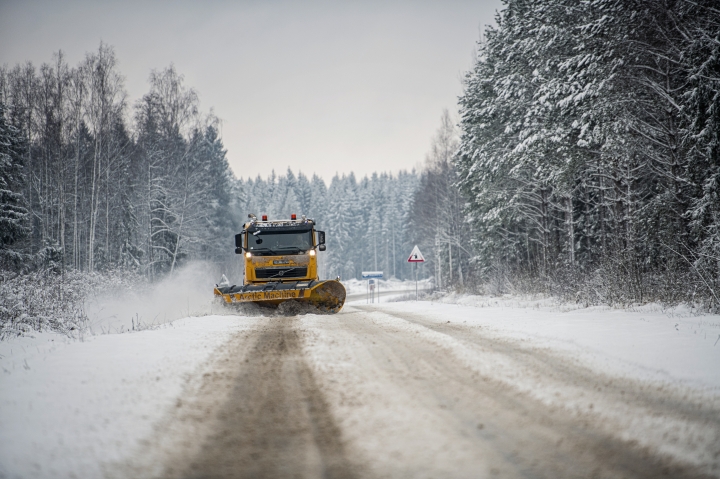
[(321, 87)]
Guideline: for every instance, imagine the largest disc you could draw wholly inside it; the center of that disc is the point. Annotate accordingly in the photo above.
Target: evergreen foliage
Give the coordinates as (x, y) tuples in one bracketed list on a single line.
[(366, 222), (13, 214), (589, 148)]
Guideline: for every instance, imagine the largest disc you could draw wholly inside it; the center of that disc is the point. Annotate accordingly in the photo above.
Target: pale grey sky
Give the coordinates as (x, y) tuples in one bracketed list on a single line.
[(322, 87)]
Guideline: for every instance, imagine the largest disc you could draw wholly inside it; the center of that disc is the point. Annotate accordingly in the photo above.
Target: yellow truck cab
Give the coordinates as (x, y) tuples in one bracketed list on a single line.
[(280, 250)]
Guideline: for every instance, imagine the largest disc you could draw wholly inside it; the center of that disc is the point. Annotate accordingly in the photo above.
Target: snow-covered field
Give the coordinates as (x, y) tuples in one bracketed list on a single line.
[(69, 407), (73, 408)]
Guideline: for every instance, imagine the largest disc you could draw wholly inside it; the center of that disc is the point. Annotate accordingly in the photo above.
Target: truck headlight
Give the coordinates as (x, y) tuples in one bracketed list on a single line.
[(248, 254), (312, 252)]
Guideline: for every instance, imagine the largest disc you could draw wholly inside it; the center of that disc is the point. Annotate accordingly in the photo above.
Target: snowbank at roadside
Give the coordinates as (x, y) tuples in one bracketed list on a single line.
[(646, 342), (67, 407)]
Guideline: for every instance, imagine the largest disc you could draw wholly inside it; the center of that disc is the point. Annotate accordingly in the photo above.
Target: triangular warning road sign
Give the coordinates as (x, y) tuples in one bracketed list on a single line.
[(416, 256)]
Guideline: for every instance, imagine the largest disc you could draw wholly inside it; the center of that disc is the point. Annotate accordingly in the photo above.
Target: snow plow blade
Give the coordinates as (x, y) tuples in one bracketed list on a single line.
[(327, 296)]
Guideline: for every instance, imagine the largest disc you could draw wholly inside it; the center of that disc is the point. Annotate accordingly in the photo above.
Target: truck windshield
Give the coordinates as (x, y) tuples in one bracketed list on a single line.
[(285, 242)]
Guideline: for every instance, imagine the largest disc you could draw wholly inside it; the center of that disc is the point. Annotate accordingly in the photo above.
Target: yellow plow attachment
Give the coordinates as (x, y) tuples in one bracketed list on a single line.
[(327, 296)]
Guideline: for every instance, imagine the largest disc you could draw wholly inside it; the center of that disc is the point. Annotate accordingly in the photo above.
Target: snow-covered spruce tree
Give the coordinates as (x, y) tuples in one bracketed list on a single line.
[(13, 214), (318, 203), (303, 193), (221, 222), (341, 226), (701, 132)]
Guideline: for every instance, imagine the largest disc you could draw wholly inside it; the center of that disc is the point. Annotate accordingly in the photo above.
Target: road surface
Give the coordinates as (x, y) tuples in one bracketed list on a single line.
[(376, 393)]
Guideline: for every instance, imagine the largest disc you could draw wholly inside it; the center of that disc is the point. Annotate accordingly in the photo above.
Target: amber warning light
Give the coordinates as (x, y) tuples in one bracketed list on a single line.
[(293, 216), (264, 217)]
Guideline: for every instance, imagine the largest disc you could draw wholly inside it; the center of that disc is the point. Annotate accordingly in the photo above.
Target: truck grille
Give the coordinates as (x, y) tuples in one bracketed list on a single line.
[(280, 273)]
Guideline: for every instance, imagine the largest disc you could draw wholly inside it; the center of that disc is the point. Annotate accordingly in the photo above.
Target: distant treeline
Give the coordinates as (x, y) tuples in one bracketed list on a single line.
[(366, 221)]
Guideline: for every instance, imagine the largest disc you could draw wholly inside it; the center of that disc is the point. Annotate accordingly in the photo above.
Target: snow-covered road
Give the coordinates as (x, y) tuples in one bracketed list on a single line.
[(484, 388)]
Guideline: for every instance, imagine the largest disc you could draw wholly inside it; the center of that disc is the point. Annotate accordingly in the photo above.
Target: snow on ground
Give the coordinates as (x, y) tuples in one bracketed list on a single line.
[(387, 290), (359, 286), (646, 342), (540, 354), (67, 407)]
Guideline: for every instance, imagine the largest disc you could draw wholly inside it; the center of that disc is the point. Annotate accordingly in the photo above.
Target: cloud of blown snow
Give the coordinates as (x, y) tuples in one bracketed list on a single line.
[(188, 292)]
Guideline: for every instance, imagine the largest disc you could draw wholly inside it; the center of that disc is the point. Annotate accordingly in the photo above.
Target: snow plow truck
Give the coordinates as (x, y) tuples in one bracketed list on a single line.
[(280, 259)]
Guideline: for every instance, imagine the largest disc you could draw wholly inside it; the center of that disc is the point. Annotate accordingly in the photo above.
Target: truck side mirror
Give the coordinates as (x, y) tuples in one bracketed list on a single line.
[(321, 238), (321, 247), (239, 243)]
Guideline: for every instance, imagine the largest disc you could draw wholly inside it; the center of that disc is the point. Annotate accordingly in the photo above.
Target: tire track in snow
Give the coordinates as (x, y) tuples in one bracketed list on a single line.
[(678, 421), (275, 422), (254, 412), (512, 433)]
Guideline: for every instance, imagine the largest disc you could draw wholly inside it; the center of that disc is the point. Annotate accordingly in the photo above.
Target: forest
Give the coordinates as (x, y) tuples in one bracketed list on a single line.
[(582, 161), (93, 184), (589, 153)]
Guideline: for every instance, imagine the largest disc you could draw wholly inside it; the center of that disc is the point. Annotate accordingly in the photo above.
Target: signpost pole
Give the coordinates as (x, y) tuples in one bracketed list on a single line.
[(416, 289)]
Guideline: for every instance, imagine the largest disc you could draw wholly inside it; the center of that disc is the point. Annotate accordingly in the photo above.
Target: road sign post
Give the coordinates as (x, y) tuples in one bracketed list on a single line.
[(371, 276), (416, 257)]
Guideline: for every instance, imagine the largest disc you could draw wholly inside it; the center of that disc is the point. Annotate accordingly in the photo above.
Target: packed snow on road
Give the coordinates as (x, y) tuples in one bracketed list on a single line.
[(459, 386)]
